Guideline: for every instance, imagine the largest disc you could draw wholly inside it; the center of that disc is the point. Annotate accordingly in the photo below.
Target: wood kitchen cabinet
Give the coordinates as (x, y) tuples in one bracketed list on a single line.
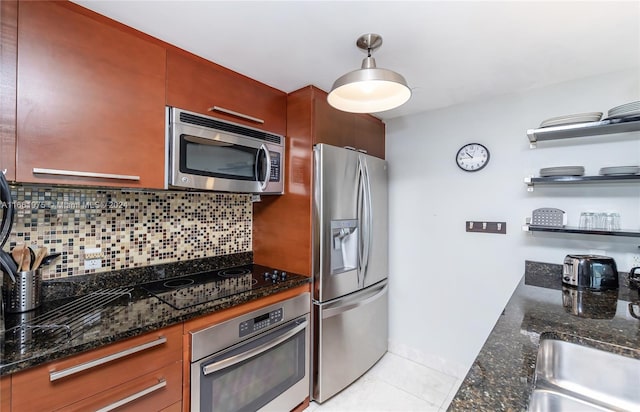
[(91, 99), (8, 57), (5, 393), (282, 224), (95, 379), (335, 127), (201, 86)]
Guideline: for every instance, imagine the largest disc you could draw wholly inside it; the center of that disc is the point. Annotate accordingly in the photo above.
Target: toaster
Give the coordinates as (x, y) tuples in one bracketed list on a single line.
[(590, 271)]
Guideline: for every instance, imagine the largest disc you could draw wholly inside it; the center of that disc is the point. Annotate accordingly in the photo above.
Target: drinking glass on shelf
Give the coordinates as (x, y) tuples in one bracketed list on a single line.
[(588, 220), (611, 221)]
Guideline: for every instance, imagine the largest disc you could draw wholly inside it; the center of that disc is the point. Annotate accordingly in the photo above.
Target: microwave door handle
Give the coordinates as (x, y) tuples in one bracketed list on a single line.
[(267, 175)]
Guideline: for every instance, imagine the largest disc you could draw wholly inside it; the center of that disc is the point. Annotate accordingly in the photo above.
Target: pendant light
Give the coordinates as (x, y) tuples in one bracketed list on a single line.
[(369, 89)]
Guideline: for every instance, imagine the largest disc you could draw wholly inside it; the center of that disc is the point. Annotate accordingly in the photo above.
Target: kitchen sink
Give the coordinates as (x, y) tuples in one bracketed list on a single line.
[(573, 377)]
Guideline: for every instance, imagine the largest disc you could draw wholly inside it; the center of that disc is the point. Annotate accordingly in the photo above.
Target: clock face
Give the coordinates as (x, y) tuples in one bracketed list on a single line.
[(472, 157)]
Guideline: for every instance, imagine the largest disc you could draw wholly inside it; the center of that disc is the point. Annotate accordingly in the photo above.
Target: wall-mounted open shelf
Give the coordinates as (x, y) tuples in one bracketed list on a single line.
[(582, 130), (559, 180), (567, 229)]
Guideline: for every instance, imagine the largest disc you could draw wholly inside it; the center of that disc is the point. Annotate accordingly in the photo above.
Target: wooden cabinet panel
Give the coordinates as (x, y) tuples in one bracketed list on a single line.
[(82, 385), (198, 85), (332, 126), (8, 62), (158, 398), (338, 128), (176, 407), (369, 135), (282, 224), (5, 394), (91, 98)]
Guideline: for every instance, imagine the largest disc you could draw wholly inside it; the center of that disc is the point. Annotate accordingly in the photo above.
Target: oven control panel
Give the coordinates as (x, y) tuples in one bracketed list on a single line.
[(260, 322)]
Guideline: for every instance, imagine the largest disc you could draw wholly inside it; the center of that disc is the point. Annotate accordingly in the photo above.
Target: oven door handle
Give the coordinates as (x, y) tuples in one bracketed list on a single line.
[(225, 363)]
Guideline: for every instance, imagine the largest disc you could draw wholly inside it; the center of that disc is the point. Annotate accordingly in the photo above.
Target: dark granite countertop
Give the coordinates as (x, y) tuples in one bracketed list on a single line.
[(134, 313), (501, 377)]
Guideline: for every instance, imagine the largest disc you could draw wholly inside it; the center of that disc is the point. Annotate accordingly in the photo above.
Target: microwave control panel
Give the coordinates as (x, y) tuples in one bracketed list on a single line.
[(260, 322), (275, 167)]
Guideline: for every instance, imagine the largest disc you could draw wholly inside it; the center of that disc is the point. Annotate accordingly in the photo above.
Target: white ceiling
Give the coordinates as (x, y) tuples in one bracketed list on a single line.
[(449, 51)]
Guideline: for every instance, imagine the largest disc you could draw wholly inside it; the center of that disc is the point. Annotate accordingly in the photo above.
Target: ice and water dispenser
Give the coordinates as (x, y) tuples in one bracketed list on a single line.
[(344, 245)]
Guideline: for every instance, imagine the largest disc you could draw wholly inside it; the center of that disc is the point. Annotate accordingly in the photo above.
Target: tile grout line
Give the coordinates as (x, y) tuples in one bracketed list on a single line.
[(415, 395), (450, 395), (424, 366), (406, 391), (445, 394)]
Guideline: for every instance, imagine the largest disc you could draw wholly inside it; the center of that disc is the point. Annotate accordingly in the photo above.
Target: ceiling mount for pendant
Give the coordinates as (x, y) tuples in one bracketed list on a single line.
[(369, 42), (369, 89)]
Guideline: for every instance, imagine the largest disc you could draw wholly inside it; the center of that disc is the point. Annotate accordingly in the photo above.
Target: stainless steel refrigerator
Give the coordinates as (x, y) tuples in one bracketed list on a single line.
[(350, 267)]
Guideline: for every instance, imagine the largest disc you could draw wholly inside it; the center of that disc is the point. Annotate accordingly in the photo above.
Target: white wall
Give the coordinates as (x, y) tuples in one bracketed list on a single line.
[(447, 286)]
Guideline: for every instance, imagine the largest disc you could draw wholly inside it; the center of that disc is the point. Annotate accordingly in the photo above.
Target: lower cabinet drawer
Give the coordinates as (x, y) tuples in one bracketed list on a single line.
[(152, 392), (61, 383)]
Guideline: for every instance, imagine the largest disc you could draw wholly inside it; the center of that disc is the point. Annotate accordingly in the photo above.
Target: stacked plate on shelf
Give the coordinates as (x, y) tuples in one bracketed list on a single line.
[(625, 110), (572, 119), (562, 171), (619, 170)]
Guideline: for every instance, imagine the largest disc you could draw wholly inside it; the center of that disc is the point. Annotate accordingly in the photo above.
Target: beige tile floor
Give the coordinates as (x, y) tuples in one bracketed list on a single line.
[(394, 384)]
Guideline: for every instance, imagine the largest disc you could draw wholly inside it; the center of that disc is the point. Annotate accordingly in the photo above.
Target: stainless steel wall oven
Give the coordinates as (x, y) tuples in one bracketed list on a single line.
[(255, 362)]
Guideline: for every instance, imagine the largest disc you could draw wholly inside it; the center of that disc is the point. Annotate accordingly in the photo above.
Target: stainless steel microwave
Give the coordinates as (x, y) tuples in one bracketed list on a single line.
[(206, 153)]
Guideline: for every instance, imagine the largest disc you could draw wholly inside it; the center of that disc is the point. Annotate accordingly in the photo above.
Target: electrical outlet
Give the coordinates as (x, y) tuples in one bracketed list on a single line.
[(634, 260), (92, 264), (92, 258)]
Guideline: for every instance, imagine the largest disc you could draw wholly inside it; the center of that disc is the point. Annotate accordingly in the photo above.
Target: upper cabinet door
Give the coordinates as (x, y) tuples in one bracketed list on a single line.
[(91, 97), (200, 86), (370, 135), (8, 54), (337, 128), (332, 126)]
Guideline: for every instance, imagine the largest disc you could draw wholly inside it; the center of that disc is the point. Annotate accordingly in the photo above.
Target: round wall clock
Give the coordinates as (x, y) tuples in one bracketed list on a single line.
[(472, 157)]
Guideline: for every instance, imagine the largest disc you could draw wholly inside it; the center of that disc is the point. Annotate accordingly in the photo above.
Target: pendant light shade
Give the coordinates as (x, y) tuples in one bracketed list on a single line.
[(369, 89)]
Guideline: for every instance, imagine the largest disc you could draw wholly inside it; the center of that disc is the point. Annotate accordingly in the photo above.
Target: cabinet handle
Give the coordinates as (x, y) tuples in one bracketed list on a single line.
[(236, 114), (37, 170), (161, 384), (54, 376), (350, 148)]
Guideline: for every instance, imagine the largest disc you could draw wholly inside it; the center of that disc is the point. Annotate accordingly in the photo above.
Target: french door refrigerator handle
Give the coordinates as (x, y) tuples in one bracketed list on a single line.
[(360, 205), (337, 310), (369, 219)]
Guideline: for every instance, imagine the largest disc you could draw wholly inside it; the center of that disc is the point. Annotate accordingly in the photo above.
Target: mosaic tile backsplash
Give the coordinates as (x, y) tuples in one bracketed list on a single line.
[(132, 228)]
